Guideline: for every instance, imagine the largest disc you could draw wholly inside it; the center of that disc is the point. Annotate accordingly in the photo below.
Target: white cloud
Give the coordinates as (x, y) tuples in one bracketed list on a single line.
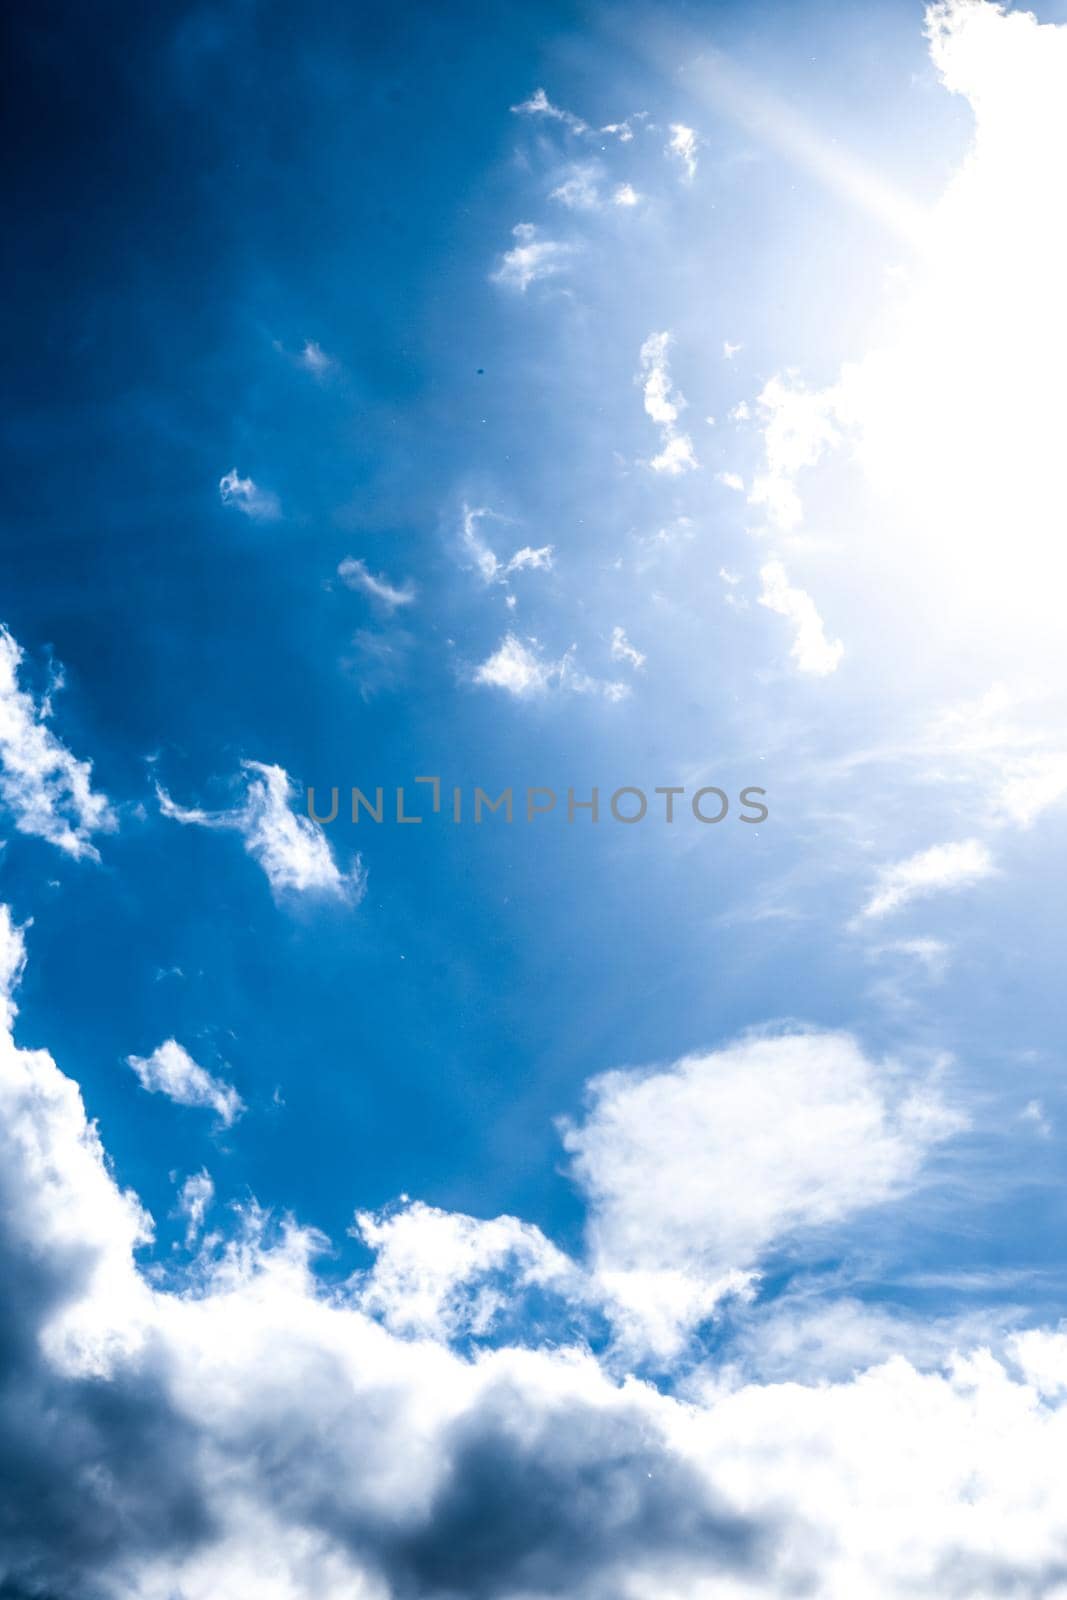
[(579, 191), (539, 105), (812, 651), (440, 1274), (942, 438), (664, 404), (292, 850), (246, 495), (539, 560), (354, 572), (623, 650), (694, 1171), (576, 681), (731, 480), (177, 1430), (798, 426), (728, 352), (932, 955), (315, 360), (520, 668), (933, 871), (171, 1070), (197, 1194), (1034, 1114), (683, 146), (488, 564), (1006, 746), (531, 259), (48, 791), (677, 456)]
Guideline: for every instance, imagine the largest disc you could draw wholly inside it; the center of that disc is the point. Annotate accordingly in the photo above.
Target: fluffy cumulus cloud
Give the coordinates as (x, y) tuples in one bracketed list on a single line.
[(694, 1171), (440, 1274), (664, 404), (292, 849), (943, 866), (170, 1070), (244, 1429), (47, 790), (811, 652)]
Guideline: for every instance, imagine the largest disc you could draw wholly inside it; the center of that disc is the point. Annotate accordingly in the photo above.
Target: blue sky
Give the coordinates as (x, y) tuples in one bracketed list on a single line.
[(546, 397)]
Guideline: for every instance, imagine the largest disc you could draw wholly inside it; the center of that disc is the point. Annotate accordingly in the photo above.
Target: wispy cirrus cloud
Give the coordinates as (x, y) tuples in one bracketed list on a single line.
[(194, 1201), (487, 563), (539, 105), (314, 359), (942, 867), (354, 572), (292, 850), (245, 495), (531, 259), (47, 790)]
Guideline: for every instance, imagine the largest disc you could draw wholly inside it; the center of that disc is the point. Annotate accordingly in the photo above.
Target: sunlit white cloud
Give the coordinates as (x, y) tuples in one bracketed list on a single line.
[(520, 667), (664, 404), (798, 426), (945, 432), (184, 1391), (812, 652), (692, 1171), (292, 850), (440, 1274), (942, 867), (517, 667), (683, 147), (47, 790), (170, 1070)]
